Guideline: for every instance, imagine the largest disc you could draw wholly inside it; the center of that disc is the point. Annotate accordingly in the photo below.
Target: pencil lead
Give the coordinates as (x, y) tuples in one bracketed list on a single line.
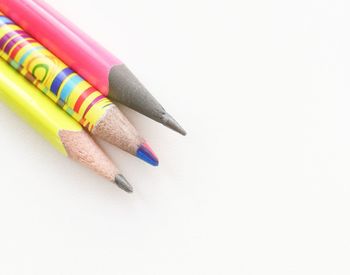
[(146, 154), (171, 123), (123, 184)]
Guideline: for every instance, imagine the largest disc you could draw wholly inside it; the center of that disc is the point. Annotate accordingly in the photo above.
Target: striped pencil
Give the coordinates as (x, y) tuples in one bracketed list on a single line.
[(65, 134), (98, 66), (75, 95)]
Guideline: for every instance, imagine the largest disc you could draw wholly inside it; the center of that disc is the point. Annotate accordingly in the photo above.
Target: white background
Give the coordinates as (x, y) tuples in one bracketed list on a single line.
[(261, 185)]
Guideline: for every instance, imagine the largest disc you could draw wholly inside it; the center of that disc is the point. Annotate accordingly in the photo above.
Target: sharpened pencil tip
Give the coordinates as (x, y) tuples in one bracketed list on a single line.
[(146, 154), (123, 184), (171, 123)]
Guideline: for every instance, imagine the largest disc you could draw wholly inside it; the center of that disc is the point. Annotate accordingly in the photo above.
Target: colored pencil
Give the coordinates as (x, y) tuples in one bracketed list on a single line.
[(76, 96), (65, 134), (98, 66)]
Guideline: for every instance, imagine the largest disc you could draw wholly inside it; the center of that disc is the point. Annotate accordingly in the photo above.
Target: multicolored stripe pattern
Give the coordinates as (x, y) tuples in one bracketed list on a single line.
[(76, 96)]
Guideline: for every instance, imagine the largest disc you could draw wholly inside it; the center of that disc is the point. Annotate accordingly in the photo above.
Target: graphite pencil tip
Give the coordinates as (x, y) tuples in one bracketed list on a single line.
[(146, 154), (171, 123), (123, 184)]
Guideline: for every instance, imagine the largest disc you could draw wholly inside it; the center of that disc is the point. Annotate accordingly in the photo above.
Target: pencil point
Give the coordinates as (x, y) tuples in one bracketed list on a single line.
[(123, 184), (171, 123), (146, 154)]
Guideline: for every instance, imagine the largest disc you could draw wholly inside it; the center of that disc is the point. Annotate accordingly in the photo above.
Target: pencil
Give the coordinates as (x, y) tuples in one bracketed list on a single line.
[(65, 134), (98, 66), (75, 95)]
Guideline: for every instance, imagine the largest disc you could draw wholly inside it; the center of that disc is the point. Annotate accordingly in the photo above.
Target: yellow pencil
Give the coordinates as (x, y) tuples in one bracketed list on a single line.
[(65, 134)]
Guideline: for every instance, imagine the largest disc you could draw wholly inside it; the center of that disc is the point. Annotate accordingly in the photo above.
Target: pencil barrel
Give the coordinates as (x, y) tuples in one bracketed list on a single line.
[(35, 108), (60, 83), (80, 52)]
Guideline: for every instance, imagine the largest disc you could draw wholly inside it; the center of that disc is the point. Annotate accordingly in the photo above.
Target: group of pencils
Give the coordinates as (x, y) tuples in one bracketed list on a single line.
[(65, 85)]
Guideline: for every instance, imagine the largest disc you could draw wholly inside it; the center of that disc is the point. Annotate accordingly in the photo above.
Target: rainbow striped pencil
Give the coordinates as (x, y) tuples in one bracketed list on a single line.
[(66, 88), (65, 134), (88, 58)]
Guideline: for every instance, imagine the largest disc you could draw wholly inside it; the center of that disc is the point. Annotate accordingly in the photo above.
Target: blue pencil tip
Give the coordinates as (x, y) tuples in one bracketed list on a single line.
[(145, 153)]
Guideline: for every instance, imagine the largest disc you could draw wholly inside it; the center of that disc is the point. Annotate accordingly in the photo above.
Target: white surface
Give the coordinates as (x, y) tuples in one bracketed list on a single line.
[(259, 186)]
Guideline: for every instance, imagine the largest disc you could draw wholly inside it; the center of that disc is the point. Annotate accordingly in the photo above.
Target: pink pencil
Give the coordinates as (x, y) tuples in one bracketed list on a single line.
[(89, 59)]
